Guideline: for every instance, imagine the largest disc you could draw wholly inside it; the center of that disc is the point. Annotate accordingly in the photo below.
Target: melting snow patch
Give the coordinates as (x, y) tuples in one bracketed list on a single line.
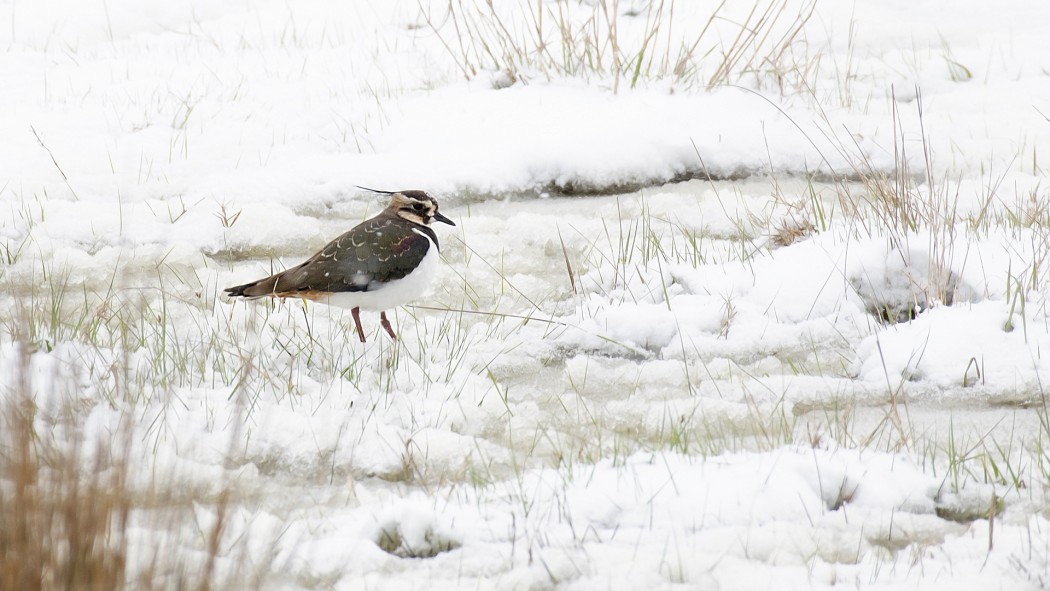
[(414, 532)]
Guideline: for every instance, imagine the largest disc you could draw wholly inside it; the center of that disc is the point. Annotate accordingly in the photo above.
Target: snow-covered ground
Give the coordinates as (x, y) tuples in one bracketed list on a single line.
[(771, 316)]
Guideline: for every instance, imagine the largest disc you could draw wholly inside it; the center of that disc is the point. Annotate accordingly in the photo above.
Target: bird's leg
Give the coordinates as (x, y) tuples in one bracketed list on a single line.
[(357, 320), (386, 325)]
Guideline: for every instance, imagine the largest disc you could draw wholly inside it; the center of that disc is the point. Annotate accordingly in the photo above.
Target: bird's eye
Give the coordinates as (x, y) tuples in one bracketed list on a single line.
[(418, 207)]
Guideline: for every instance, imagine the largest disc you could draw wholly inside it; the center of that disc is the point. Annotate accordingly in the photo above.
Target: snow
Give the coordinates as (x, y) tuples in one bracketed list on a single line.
[(656, 353)]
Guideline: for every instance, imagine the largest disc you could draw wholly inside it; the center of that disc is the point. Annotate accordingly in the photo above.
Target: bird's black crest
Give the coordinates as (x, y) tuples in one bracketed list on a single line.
[(375, 190)]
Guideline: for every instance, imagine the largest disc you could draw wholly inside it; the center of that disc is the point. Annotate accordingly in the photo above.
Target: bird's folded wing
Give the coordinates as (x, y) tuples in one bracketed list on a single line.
[(364, 259)]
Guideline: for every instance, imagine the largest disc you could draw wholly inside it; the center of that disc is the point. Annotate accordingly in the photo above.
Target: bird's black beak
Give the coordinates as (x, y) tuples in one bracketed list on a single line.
[(441, 218)]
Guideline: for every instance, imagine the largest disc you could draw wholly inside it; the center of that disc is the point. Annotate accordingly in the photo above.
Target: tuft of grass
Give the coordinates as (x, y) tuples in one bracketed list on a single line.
[(590, 40), (71, 516)]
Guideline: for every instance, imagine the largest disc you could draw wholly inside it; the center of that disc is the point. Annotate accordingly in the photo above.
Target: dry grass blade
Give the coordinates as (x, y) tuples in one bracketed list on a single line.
[(54, 161), (568, 264)]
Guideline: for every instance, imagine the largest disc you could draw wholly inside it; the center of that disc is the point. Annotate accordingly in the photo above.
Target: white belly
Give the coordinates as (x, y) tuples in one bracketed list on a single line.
[(395, 293)]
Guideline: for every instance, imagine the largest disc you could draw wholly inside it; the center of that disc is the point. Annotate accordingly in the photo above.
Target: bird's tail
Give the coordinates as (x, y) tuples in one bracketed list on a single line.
[(255, 289)]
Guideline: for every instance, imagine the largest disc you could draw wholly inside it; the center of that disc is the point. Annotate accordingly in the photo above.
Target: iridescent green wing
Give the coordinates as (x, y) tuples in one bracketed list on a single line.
[(373, 253)]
